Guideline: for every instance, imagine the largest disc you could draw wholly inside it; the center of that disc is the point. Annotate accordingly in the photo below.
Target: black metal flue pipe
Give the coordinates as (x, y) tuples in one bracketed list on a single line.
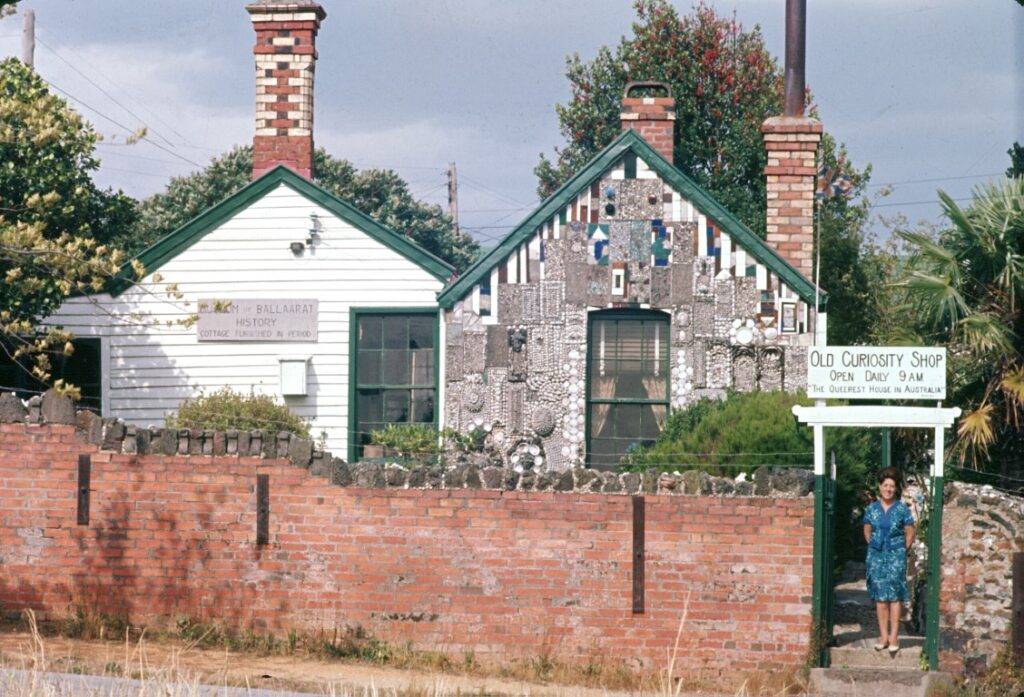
[(796, 36)]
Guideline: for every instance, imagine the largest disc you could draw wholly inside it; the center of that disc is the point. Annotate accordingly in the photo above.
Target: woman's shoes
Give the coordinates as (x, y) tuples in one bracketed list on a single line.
[(881, 646), (894, 649)]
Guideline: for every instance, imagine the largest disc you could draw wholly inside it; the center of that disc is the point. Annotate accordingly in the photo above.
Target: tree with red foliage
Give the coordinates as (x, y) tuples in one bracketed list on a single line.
[(725, 84)]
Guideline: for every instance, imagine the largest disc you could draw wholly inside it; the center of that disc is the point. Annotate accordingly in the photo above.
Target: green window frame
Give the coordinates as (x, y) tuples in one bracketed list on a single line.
[(628, 382), (83, 369), (393, 368)]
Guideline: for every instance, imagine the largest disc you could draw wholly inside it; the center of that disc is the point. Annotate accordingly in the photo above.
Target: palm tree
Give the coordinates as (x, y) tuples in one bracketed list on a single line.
[(965, 290)]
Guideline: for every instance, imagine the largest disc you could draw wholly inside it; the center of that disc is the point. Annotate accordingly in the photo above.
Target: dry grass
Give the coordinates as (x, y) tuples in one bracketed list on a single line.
[(169, 676)]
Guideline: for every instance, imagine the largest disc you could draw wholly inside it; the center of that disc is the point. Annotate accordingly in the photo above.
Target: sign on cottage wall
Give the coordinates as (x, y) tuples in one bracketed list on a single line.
[(257, 320), (876, 372)]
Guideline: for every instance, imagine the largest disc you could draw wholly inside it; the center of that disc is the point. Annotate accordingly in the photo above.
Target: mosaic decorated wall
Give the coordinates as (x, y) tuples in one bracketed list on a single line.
[(516, 345)]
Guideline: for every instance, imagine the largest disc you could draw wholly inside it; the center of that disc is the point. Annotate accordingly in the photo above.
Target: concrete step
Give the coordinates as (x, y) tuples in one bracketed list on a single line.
[(862, 681), (860, 657)]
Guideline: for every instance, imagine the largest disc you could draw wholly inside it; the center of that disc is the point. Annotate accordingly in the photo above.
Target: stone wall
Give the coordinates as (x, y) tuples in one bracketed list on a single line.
[(981, 530), (487, 560), (524, 366)]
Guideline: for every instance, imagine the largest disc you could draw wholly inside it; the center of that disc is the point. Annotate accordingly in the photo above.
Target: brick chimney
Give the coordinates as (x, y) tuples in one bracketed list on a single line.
[(653, 118), (285, 53), (792, 144)]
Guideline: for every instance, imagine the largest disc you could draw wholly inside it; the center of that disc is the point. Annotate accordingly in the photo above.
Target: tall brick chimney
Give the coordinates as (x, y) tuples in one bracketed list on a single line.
[(653, 118), (792, 144), (285, 54)]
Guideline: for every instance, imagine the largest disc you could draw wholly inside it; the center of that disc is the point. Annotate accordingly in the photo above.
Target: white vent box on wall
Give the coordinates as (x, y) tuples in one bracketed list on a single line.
[(294, 376)]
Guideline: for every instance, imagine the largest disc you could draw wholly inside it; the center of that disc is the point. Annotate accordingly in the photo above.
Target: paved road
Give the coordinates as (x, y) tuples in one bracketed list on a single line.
[(67, 685)]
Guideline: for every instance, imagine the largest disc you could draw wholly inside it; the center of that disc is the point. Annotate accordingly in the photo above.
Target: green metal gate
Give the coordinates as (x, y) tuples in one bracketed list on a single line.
[(823, 588)]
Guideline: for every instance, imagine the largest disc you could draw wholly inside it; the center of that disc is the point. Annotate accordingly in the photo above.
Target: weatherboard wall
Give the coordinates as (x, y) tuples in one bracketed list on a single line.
[(152, 359)]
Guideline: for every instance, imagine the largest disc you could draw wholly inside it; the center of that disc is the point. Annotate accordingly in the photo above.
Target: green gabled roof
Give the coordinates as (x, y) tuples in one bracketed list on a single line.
[(191, 232), (611, 154)]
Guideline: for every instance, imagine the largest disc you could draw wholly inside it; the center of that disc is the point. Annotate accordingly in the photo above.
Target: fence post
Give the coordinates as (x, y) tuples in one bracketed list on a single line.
[(638, 555), (1017, 628)]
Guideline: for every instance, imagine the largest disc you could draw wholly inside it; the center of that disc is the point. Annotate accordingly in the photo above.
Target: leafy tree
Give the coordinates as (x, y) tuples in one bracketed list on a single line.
[(381, 194), (725, 84), (56, 226), (1016, 153), (965, 290)]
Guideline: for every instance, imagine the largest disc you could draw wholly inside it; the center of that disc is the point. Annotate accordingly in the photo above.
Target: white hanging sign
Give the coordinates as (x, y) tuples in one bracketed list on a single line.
[(876, 372), (257, 320)]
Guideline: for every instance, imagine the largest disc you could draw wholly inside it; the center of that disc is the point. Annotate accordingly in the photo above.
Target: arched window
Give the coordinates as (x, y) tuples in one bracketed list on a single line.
[(627, 382)]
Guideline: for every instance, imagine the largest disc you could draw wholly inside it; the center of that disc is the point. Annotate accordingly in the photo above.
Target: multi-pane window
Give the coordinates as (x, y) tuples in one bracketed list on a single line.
[(81, 369), (394, 372), (628, 383)]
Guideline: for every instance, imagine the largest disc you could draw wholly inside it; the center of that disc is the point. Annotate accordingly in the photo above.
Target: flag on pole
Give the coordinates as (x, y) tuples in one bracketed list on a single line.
[(833, 182)]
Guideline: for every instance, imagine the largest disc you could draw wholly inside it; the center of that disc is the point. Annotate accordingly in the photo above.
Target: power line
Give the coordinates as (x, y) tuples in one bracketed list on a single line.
[(121, 125), (918, 203), (137, 100), (937, 179), (103, 91)]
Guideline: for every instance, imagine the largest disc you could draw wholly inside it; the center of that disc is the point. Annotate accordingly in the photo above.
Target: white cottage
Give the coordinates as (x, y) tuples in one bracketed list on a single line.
[(280, 274)]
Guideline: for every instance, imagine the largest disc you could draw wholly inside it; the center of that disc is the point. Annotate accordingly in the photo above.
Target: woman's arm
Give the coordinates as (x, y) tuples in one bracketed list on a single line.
[(909, 531), (867, 532)]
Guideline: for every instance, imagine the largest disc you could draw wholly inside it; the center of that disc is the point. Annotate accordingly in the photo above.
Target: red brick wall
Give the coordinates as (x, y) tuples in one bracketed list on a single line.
[(499, 573)]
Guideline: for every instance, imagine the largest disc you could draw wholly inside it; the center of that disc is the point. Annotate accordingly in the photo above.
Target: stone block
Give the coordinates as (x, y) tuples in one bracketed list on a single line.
[(639, 199), (661, 287), (619, 241), (744, 370), (219, 443), (795, 368), (599, 285), (531, 312), (719, 366), (681, 283), (770, 369), (748, 298), (554, 260), (724, 290), (208, 437), (639, 245), (497, 347), (576, 282), (113, 434), (129, 446), (283, 443), (300, 451), (57, 408), (12, 409), (474, 352), (552, 300), (269, 444), (703, 319), (167, 442)]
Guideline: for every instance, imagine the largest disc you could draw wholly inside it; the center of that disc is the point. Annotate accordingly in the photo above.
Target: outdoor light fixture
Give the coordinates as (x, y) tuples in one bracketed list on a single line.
[(315, 228), (297, 248)]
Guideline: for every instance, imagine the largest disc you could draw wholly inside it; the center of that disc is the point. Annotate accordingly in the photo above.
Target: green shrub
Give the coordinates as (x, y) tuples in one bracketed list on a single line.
[(751, 429), (226, 409), (407, 440)]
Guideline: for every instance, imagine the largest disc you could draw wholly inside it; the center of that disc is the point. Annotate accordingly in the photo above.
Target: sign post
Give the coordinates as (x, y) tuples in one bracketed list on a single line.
[(883, 373)]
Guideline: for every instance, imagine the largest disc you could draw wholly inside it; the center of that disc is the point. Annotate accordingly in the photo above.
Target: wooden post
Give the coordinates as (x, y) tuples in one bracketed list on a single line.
[(453, 195), (886, 448), (638, 555), (28, 38), (262, 509), (1017, 628), (82, 492)]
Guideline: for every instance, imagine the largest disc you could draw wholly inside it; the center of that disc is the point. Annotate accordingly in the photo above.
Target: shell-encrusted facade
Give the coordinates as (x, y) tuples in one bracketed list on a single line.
[(516, 343)]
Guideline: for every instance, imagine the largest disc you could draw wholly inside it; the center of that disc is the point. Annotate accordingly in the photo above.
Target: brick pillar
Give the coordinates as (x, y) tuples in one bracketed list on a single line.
[(285, 54), (792, 143), (653, 118)]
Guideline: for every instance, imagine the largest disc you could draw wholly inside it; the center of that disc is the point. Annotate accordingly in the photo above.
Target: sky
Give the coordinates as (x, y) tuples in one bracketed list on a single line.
[(920, 89)]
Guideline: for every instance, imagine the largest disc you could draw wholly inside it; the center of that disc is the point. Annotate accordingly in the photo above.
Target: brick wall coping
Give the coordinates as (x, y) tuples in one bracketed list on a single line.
[(465, 471)]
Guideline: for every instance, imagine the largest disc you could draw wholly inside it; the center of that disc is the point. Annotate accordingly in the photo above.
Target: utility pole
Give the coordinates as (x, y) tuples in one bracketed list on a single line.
[(28, 38), (453, 195)]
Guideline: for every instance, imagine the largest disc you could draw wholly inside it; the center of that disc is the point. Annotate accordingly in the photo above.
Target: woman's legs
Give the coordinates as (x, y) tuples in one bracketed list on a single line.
[(895, 610), (882, 608)]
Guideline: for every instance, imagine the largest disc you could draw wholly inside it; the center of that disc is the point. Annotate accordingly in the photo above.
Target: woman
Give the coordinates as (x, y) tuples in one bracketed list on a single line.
[(889, 532)]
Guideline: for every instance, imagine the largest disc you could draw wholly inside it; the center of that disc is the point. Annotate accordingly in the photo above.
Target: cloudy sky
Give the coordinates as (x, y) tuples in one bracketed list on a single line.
[(921, 89)]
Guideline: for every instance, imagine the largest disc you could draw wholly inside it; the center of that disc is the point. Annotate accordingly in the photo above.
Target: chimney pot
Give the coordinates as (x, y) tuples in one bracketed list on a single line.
[(285, 50), (652, 118)]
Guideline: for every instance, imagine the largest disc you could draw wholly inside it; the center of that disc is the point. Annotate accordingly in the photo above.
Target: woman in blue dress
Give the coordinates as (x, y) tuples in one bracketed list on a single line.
[(889, 531)]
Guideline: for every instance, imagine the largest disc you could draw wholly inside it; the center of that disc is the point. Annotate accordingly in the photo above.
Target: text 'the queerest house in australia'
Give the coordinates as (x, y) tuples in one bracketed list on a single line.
[(626, 294)]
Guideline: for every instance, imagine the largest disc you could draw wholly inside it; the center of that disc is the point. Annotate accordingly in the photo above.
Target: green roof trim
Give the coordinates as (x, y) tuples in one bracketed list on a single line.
[(191, 232), (630, 142)]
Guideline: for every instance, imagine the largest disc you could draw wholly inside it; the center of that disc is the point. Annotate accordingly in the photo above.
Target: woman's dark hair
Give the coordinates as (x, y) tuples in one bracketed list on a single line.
[(893, 474)]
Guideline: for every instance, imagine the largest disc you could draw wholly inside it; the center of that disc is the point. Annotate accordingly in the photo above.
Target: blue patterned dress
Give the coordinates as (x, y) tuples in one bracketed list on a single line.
[(887, 555)]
